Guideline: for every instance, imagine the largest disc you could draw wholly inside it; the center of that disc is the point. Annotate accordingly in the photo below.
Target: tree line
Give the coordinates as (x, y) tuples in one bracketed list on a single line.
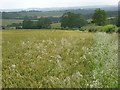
[(35, 14), (69, 20), (37, 24)]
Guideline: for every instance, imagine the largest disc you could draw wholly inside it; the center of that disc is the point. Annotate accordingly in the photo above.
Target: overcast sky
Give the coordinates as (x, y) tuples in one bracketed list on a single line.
[(16, 4)]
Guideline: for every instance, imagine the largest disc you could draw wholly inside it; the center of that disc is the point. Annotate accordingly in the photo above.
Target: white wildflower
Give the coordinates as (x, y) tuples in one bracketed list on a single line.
[(28, 41), (91, 86), (59, 57), (43, 41), (84, 57), (79, 74), (63, 41), (67, 79), (39, 57), (23, 42), (13, 66), (52, 56)]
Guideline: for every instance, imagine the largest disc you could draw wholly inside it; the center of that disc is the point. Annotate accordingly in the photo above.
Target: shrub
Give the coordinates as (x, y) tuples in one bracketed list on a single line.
[(90, 28), (118, 30), (82, 29), (109, 28)]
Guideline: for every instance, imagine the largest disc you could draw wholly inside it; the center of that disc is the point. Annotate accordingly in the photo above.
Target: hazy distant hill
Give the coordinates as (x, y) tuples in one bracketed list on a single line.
[(56, 12), (107, 7)]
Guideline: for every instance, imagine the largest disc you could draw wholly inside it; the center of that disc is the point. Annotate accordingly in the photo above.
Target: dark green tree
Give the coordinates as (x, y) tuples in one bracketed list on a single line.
[(72, 20), (44, 23), (99, 17), (37, 24), (27, 24)]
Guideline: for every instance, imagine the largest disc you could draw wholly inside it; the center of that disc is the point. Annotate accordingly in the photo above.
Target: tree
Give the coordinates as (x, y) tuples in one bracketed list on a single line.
[(17, 25), (27, 24), (37, 24), (72, 20), (99, 17), (44, 23)]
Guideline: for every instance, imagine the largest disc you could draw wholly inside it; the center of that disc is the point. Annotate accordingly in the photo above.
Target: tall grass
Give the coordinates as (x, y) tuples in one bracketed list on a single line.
[(104, 61), (59, 59)]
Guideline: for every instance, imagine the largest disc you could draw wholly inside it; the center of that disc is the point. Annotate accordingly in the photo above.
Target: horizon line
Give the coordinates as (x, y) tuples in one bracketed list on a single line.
[(56, 7)]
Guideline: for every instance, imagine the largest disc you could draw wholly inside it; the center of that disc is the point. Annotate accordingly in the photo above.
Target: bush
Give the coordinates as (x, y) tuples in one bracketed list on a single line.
[(118, 30), (109, 28), (90, 28), (82, 29), (72, 20)]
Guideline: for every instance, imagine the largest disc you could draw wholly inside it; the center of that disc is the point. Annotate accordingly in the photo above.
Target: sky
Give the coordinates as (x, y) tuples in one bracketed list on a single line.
[(24, 4)]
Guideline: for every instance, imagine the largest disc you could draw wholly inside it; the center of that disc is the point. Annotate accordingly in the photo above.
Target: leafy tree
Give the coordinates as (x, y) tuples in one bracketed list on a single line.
[(17, 25), (37, 24), (44, 23), (72, 20), (99, 17), (27, 24)]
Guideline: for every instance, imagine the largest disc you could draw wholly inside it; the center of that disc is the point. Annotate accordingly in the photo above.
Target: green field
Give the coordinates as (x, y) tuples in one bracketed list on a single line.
[(10, 21), (43, 14), (59, 59), (56, 25)]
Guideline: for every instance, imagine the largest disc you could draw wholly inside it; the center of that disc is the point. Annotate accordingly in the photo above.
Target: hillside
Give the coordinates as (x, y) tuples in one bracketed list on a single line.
[(58, 12)]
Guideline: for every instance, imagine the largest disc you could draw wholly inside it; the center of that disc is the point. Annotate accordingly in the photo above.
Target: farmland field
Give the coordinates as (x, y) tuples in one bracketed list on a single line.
[(59, 59), (10, 21), (56, 25)]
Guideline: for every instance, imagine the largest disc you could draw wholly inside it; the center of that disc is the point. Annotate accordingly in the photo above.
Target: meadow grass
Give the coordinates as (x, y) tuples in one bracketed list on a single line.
[(10, 21), (59, 59), (56, 25)]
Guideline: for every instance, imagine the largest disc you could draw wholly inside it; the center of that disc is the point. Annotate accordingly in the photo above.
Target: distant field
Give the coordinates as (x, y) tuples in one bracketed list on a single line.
[(56, 26), (43, 14), (55, 58), (10, 21)]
